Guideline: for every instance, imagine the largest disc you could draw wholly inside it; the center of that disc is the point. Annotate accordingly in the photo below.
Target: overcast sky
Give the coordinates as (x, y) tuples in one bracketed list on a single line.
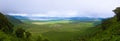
[(59, 8)]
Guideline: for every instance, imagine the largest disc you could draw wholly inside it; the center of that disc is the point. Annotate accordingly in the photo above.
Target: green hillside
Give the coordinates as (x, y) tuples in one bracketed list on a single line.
[(5, 25), (109, 30), (10, 32), (13, 20)]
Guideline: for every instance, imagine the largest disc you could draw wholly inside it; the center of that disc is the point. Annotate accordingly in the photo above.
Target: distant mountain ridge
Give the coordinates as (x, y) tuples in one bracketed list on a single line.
[(58, 18), (21, 17)]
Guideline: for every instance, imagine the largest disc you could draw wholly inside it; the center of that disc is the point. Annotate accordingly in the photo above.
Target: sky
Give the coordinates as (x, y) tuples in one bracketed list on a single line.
[(59, 8)]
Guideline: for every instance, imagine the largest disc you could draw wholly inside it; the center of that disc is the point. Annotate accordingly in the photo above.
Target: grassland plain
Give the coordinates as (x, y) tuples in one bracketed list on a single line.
[(59, 30)]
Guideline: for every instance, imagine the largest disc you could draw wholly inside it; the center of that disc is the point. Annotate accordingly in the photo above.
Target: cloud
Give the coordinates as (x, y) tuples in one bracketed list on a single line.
[(48, 14), (59, 8), (18, 14)]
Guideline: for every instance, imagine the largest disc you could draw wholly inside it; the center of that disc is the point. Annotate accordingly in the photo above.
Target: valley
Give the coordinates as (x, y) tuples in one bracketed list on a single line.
[(59, 20), (63, 30)]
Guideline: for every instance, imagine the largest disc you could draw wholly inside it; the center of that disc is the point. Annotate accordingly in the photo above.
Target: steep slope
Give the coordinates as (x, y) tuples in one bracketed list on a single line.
[(109, 30), (6, 28), (5, 25), (13, 20)]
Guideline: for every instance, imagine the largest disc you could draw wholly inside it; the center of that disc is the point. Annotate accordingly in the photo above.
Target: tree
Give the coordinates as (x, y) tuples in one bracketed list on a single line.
[(20, 32), (39, 38), (27, 34), (106, 23), (45, 40), (5, 25), (117, 12)]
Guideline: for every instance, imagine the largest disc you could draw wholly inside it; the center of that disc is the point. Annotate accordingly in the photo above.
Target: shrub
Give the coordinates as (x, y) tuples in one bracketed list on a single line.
[(20, 32)]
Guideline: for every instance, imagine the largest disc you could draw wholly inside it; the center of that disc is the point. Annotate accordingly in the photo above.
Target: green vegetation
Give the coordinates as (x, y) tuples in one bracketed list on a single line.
[(5, 25), (108, 30), (13, 20), (59, 30), (10, 32)]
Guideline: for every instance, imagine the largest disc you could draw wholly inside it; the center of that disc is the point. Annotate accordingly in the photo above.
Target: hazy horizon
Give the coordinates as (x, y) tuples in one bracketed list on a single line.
[(59, 8)]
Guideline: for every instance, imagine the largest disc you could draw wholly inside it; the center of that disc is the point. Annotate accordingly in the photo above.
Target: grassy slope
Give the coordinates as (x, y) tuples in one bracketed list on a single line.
[(111, 33), (60, 31)]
